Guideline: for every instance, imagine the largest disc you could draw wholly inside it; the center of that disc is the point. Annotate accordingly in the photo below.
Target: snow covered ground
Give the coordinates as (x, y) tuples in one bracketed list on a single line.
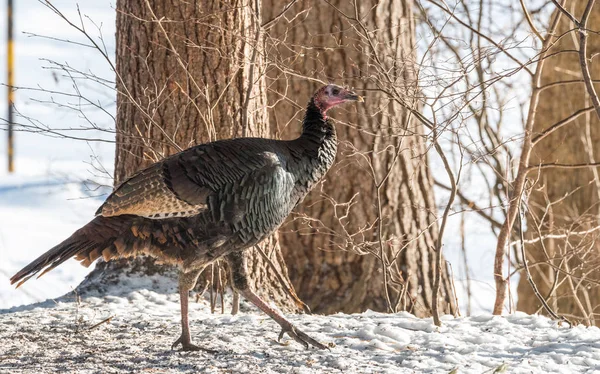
[(65, 335)]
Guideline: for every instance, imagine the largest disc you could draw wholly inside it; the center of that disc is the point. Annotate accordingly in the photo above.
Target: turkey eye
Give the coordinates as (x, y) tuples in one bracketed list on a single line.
[(335, 91)]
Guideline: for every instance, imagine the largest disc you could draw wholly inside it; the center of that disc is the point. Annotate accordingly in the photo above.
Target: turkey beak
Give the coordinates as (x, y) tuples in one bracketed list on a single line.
[(350, 95)]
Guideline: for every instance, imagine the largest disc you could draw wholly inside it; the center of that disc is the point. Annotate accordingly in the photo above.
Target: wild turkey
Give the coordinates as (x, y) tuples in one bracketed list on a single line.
[(208, 202)]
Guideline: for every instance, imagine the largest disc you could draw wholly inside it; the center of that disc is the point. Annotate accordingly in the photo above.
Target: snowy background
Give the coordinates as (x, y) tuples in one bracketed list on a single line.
[(55, 188), (50, 195)]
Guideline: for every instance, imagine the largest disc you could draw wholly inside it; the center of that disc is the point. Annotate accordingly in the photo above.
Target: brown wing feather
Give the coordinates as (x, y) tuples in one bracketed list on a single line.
[(155, 193)]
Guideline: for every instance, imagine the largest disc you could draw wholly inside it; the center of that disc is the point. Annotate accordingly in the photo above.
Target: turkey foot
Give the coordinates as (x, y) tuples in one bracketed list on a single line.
[(186, 346), (239, 280), (299, 336), (286, 326), (189, 347)]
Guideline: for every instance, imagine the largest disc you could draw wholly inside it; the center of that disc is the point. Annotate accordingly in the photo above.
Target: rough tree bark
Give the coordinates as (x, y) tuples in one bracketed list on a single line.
[(188, 73), (566, 200), (314, 39)]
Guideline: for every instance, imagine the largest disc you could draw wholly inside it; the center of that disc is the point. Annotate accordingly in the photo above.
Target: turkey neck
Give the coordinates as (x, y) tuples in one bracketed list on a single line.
[(316, 127), (316, 147)]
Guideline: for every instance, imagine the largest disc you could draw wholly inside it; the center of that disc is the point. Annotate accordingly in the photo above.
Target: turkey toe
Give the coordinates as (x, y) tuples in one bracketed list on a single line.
[(189, 347), (300, 337)]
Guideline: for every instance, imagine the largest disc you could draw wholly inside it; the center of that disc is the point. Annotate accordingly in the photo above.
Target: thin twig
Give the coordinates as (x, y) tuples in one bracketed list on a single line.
[(530, 21), (530, 278), (583, 60), (107, 320), (519, 183)]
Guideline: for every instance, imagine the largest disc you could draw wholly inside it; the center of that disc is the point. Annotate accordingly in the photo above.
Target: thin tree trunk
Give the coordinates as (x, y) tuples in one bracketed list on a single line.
[(565, 200), (400, 221), (189, 73)]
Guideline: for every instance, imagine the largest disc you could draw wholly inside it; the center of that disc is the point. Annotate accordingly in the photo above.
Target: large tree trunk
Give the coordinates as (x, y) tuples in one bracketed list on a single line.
[(315, 40), (189, 73), (566, 200)]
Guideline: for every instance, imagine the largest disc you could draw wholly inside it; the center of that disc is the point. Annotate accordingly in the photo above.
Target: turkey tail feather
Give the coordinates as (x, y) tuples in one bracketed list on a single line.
[(87, 244)]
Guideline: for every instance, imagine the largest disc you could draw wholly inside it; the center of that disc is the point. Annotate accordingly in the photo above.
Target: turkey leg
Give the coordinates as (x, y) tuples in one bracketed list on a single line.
[(187, 281), (237, 264)]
